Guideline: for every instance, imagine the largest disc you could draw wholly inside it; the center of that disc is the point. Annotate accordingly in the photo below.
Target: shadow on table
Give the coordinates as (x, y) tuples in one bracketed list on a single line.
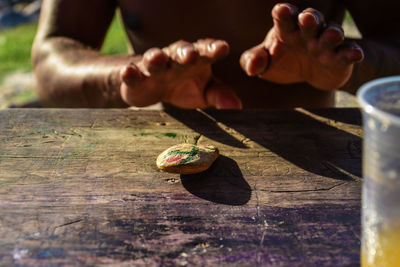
[(222, 183), (296, 137), (345, 115), (31, 104), (199, 122), (303, 140)]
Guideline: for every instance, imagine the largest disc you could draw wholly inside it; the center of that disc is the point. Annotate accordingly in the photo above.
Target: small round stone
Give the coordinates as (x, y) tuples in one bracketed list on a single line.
[(187, 158)]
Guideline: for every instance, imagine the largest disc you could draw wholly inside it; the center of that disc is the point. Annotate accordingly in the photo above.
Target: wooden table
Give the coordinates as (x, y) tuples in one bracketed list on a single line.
[(80, 187)]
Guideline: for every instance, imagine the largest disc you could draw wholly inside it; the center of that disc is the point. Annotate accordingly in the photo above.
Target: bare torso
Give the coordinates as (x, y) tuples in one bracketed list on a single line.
[(157, 23)]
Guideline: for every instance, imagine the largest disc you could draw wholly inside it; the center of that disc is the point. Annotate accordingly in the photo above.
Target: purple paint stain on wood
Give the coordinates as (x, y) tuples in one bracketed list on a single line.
[(245, 236), (50, 253)]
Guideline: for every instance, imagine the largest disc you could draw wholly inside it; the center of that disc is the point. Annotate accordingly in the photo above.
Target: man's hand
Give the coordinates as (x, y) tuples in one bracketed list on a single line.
[(179, 74), (302, 48)]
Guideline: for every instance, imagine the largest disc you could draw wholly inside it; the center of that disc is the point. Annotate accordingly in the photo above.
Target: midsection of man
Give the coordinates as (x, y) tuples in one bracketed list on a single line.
[(243, 24)]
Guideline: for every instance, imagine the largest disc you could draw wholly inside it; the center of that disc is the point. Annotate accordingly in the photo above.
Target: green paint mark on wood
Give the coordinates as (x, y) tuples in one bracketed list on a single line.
[(159, 135), (171, 135), (80, 150), (3, 184)]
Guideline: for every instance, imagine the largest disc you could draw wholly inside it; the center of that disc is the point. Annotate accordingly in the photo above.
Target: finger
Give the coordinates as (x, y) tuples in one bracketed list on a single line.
[(182, 52), (310, 22), (285, 20), (131, 92), (331, 38), (255, 61), (155, 60), (131, 75), (211, 48), (221, 96), (350, 52)]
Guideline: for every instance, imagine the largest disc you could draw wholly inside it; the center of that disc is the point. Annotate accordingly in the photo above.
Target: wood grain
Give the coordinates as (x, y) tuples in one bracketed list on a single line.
[(80, 187)]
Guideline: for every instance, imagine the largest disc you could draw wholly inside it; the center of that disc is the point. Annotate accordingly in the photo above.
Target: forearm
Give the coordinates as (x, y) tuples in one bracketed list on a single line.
[(69, 74), (381, 59)]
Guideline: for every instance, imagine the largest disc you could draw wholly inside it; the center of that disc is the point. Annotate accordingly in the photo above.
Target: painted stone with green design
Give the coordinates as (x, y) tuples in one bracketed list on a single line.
[(187, 158)]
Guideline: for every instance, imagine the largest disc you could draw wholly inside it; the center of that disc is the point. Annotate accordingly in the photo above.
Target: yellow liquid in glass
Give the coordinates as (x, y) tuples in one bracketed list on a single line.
[(383, 250)]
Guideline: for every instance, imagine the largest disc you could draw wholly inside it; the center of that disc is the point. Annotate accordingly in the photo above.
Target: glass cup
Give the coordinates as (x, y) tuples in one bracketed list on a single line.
[(380, 103)]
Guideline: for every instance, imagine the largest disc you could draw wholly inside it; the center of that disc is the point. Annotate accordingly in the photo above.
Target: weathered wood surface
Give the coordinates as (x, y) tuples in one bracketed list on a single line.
[(80, 187)]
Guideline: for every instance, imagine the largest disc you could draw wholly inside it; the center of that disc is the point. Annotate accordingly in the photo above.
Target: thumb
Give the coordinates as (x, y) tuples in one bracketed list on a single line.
[(221, 96), (255, 61)]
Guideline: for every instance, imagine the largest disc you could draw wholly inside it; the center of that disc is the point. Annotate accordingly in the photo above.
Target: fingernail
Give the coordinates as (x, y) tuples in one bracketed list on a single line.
[(187, 54), (254, 65), (218, 48), (292, 10), (355, 53), (247, 64), (336, 28), (334, 34), (182, 52), (315, 17), (126, 71), (212, 46)]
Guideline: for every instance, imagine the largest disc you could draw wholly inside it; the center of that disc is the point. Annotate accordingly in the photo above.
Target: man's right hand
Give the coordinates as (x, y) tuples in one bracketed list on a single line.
[(179, 74)]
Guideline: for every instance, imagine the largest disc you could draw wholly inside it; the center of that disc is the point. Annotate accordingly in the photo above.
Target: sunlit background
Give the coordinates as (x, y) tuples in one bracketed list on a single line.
[(18, 24)]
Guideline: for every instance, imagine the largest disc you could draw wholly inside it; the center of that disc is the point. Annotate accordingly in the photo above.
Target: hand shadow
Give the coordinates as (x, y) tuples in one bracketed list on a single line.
[(222, 183), (300, 139), (338, 115), (199, 122)]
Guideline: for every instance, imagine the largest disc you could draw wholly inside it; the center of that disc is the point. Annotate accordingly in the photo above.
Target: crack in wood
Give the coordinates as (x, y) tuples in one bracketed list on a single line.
[(263, 227), (356, 234), (68, 223), (24, 157), (259, 251), (257, 201), (304, 190)]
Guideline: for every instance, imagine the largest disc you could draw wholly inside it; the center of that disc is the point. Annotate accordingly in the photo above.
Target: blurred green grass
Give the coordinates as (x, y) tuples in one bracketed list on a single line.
[(15, 57), (116, 41), (16, 43), (15, 49)]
